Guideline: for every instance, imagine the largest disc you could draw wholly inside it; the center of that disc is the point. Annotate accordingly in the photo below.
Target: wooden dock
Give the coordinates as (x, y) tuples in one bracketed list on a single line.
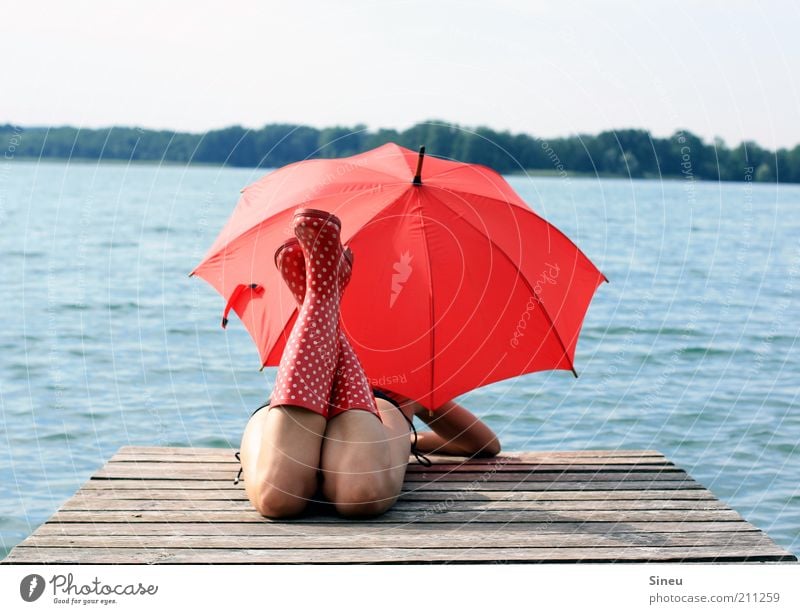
[(179, 505)]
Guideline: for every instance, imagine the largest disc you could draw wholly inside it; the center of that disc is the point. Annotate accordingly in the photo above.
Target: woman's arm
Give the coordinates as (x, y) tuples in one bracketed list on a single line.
[(456, 431)]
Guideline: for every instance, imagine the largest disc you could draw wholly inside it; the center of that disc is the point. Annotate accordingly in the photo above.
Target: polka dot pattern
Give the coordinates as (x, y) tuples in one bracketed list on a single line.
[(308, 364), (350, 388)]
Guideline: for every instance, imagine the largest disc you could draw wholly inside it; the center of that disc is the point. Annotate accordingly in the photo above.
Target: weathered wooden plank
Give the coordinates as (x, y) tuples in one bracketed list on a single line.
[(419, 495), (410, 540), (578, 465), (392, 555), (431, 515), (142, 471), (367, 527), (549, 476), (227, 485), (496, 485), (450, 462), (90, 504), (588, 464), (529, 454), (556, 494), (443, 469)]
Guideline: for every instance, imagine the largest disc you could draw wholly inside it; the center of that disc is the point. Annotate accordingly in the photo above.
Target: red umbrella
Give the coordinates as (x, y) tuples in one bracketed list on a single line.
[(457, 282)]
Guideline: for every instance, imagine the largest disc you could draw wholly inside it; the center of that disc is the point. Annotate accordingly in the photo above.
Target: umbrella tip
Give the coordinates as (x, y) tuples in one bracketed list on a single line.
[(418, 173), (574, 372)]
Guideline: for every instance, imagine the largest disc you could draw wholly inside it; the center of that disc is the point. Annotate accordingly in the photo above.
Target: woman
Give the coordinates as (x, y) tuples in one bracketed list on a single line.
[(323, 418)]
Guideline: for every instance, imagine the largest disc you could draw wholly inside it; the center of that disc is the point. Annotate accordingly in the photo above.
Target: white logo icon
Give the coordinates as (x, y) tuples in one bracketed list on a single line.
[(400, 277)]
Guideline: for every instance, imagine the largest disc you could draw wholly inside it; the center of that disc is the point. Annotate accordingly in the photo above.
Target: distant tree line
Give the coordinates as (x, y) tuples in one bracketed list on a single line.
[(623, 153)]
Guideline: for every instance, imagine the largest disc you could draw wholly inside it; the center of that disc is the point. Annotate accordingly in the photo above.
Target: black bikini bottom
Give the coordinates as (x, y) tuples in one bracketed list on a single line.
[(375, 391)]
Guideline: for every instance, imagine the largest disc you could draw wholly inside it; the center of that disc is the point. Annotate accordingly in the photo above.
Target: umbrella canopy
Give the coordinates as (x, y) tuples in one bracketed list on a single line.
[(456, 283)]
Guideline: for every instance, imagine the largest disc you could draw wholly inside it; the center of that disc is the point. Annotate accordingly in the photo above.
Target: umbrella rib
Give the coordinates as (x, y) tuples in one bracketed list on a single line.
[(263, 221), (432, 311), (524, 279), (551, 227), (402, 150), (427, 260), (323, 162), (286, 331), (465, 165)]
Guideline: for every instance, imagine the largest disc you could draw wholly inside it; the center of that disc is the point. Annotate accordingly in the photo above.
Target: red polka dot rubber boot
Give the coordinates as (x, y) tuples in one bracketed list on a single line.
[(307, 367), (291, 264), (350, 389)]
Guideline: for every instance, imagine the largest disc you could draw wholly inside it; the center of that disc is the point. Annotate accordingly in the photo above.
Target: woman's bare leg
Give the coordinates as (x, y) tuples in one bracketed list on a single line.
[(280, 454), (364, 460), (281, 446)]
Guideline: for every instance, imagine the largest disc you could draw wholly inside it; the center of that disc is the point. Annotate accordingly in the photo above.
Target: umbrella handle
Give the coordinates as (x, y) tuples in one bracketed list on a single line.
[(237, 291), (418, 172)]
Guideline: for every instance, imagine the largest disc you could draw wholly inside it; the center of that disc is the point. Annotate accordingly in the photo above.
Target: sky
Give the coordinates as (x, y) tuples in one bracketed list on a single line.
[(728, 69)]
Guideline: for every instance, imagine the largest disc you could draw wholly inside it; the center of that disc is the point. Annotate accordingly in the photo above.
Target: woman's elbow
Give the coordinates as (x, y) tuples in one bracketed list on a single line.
[(491, 448)]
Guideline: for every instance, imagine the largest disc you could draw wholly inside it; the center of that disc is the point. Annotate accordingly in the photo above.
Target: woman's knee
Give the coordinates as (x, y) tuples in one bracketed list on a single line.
[(281, 492), (363, 495), (274, 502)]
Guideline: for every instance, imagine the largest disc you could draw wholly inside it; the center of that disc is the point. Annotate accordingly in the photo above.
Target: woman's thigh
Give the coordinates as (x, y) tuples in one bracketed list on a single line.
[(364, 460), (280, 455)]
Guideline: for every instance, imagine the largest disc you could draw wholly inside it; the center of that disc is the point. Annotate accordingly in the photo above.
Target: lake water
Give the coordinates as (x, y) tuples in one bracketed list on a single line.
[(690, 350)]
